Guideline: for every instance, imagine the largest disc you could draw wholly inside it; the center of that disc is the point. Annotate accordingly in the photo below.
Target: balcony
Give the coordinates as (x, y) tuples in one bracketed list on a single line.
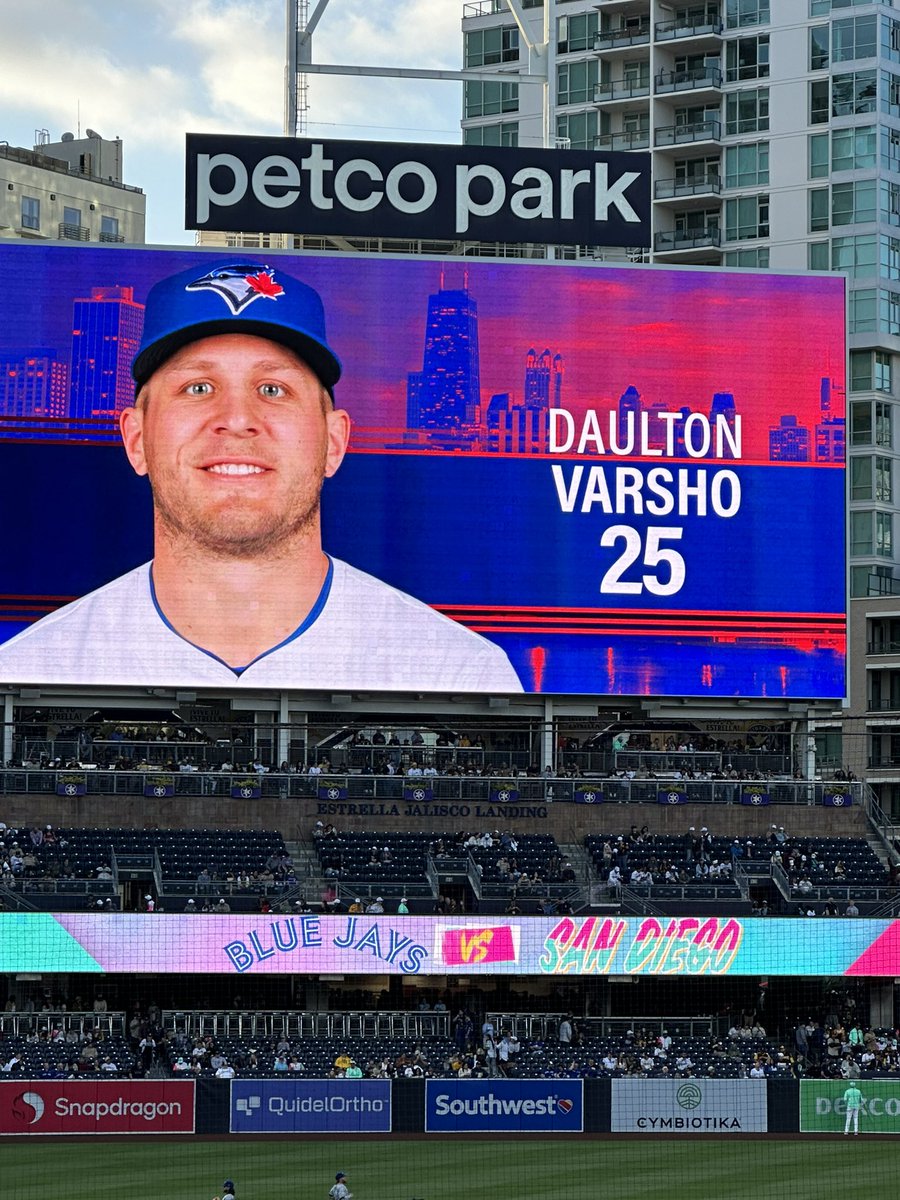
[(679, 189), (670, 31), (637, 139), (884, 704), (621, 89), (892, 648), (688, 239), (623, 39), (693, 80), (74, 233), (112, 237), (697, 131)]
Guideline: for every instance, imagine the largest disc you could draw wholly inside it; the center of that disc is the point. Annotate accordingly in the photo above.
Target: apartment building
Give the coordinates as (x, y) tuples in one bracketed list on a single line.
[(71, 189)]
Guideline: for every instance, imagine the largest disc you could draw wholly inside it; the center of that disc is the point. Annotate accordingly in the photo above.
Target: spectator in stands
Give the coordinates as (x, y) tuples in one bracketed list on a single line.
[(376, 907), (851, 910)]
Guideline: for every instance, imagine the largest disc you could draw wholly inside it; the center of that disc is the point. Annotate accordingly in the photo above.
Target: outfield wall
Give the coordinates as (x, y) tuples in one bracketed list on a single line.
[(285, 1107)]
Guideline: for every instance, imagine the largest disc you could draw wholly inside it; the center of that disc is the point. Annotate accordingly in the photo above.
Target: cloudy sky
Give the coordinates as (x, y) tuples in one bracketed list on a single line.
[(149, 72)]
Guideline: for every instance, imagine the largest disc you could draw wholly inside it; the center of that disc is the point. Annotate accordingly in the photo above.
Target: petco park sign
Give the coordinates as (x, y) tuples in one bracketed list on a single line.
[(104, 1106), (390, 189)]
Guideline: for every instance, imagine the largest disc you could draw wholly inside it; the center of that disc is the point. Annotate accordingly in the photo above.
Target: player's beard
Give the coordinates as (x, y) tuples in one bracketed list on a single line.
[(234, 532)]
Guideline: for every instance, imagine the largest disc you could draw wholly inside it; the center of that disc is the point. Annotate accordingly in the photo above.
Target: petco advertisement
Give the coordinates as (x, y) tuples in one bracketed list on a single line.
[(504, 1106), (824, 1110), (102, 1106), (689, 1106), (311, 1106)]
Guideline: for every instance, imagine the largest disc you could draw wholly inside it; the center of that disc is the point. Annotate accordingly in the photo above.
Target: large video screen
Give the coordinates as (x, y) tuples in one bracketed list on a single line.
[(534, 477)]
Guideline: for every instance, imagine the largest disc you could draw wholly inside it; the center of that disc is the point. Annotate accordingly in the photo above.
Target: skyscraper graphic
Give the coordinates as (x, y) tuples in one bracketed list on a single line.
[(106, 333), (629, 402), (789, 441), (33, 383), (831, 432), (543, 380), (449, 384), (723, 406)]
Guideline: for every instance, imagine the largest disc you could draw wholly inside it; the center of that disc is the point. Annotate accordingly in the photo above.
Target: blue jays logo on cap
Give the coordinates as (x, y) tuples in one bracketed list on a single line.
[(240, 285), (198, 303)]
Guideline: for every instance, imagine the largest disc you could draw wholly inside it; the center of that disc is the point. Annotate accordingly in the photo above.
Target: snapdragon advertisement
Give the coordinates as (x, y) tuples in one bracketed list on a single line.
[(400, 945), (96, 1106), (532, 477)]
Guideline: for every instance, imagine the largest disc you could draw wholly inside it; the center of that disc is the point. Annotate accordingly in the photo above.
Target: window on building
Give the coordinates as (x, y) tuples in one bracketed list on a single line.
[(883, 374), (890, 149), (871, 478), (746, 218), (746, 12), (861, 423), (818, 257), (854, 37), (747, 111), (884, 432), (890, 94), (757, 257), (854, 255), (109, 229), (748, 166), (576, 32), (884, 479), (853, 93), (575, 82), (854, 202), (817, 155), (861, 477), (747, 58), (31, 212), (889, 312), (863, 310), (890, 202), (884, 534), (501, 133), (819, 8), (854, 149), (818, 102), (818, 210), (700, 221), (486, 47), (819, 55), (636, 74), (889, 257), (890, 39), (72, 216), (636, 122), (489, 99), (697, 170), (860, 370), (861, 532), (579, 128)]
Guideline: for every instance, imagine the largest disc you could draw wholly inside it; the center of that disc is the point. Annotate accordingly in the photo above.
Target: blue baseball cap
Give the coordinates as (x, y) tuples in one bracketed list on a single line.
[(235, 297), (340, 1175)]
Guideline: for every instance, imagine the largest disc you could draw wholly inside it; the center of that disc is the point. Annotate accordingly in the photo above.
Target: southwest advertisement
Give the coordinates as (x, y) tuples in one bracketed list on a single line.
[(96, 1106), (668, 1106), (311, 1106), (240, 944), (463, 477), (504, 1106), (822, 1107)]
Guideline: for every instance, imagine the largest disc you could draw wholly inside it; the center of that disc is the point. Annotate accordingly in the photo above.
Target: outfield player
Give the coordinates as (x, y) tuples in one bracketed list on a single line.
[(853, 1099), (340, 1191), (235, 425)]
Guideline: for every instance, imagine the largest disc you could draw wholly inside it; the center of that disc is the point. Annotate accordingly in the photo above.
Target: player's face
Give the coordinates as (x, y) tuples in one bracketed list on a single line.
[(236, 435)]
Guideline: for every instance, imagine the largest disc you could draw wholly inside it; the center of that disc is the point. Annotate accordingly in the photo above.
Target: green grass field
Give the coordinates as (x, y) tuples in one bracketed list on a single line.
[(434, 1169)]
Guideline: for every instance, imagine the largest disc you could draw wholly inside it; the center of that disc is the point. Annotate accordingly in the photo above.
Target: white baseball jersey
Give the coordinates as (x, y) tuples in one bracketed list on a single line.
[(361, 634)]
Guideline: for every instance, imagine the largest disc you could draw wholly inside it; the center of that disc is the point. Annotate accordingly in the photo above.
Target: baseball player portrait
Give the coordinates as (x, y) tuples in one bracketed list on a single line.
[(235, 425)]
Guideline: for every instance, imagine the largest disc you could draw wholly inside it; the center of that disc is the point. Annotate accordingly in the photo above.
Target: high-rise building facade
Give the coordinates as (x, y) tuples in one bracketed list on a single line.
[(106, 334), (774, 131)]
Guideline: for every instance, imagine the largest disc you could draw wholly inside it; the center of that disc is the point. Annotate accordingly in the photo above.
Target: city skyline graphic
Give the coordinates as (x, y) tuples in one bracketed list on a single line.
[(468, 366)]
